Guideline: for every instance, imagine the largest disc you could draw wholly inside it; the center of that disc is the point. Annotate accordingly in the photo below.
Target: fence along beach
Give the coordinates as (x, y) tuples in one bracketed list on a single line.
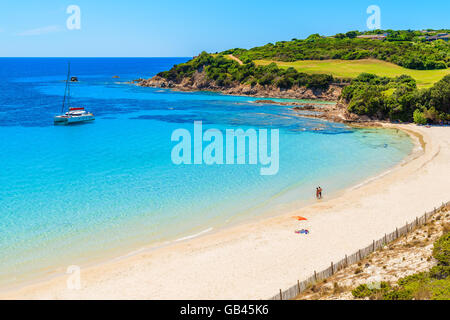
[(217, 265), (359, 255)]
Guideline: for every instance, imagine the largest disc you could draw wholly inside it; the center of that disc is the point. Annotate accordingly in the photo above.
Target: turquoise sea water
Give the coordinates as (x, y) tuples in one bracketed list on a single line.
[(70, 195)]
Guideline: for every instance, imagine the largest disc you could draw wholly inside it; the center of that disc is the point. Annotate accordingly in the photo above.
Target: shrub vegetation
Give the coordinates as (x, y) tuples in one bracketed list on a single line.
[(398, 99), (226, 72), (434, 284)]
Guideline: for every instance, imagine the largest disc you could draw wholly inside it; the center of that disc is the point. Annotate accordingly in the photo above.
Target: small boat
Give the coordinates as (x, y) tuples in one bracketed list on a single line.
[(74, 114)]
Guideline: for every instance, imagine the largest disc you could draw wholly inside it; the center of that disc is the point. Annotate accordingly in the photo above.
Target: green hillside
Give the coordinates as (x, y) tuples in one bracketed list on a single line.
[(409, 49), (352, 68)]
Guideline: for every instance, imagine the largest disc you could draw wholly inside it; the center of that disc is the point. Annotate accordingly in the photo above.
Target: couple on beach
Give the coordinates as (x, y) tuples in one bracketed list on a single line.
[(319, 192)]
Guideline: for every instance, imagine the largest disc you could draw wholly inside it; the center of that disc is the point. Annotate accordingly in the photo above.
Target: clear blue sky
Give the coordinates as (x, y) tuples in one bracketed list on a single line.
[(147, 28)]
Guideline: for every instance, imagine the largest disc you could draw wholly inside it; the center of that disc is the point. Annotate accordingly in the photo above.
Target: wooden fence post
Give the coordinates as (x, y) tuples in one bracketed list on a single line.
[(385, 239), (315, 275), (346, 261), (298, 286), (281, 295), (332, 268), (396, 233), (373, 250), (417, 221)]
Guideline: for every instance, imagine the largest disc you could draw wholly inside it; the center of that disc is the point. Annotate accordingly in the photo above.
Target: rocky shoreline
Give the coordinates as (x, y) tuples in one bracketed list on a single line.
[(333, 112)]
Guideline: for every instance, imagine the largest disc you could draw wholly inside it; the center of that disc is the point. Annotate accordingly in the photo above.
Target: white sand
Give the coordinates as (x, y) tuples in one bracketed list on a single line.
[(255, 260)]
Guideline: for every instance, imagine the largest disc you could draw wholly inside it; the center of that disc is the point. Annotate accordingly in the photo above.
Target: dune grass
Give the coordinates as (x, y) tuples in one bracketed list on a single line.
[(352, 68)]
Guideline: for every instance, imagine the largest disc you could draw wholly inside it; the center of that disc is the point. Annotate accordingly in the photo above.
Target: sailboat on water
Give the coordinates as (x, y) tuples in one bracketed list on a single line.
[(74, 114)]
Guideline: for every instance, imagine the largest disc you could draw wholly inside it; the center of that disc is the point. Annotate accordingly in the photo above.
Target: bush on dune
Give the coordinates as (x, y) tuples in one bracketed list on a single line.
[(441, 250), (434, 284)]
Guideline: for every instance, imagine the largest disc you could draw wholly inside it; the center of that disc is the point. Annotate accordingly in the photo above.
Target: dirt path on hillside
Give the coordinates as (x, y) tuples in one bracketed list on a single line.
[(234, 58)]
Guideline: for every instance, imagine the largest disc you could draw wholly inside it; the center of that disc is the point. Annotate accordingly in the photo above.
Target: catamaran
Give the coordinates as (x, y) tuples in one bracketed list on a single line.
[(74, 114)]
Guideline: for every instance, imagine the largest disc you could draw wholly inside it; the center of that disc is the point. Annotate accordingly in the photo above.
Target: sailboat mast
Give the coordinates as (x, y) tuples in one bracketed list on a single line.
[(67, 89)]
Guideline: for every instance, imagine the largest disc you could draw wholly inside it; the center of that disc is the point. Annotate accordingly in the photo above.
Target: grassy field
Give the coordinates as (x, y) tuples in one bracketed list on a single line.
[(352, 68)]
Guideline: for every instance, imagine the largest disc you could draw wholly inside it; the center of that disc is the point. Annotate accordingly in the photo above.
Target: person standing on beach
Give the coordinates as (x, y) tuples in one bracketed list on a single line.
[(319, 190), (317, 193)]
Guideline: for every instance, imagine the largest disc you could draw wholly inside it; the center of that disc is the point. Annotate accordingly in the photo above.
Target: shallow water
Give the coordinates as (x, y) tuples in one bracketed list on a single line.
[(73, 194)]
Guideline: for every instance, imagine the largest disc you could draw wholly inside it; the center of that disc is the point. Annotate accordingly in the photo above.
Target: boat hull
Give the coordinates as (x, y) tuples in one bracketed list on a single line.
[(72, 120), (80, 119)]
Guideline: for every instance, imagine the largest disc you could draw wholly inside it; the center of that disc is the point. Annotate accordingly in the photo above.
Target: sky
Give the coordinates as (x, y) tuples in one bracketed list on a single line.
[(175, 28)]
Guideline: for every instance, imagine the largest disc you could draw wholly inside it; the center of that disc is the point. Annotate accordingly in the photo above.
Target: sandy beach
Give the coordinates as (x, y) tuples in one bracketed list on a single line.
[(256, 259)]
